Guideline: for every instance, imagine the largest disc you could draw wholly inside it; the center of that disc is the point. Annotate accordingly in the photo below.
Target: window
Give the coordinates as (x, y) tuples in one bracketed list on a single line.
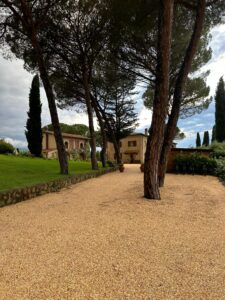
[(132, 143), (81, 146), (66, 145)]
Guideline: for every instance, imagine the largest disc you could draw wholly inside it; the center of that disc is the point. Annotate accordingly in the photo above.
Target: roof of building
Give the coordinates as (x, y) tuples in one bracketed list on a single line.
[(138, 133), (191, 149), (69, 135)]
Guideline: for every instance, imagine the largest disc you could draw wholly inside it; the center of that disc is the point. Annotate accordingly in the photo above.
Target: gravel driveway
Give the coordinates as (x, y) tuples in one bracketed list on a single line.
[(101, 240)]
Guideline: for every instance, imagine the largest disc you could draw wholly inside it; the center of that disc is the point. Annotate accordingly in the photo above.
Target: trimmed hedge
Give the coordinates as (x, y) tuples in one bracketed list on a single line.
[(195, 164)]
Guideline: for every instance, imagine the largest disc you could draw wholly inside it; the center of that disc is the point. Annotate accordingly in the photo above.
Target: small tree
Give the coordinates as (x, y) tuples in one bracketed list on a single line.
[(34, 131), (198, 140), (206, 139)]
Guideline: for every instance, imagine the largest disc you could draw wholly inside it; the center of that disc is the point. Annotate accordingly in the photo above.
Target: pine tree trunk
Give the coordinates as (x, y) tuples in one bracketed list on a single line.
[(94, 162), (112, 134), (103, 151), (179, 88), (117, 152), (104, 147), (103, 134), (154, 142), (29, 26), (62, 155)]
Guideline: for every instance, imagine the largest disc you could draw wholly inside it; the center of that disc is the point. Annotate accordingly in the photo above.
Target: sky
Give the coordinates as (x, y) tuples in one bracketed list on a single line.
[(15, 85)]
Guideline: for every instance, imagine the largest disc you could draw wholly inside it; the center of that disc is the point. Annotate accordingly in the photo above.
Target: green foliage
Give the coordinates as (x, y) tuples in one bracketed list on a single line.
[(34, 131), (23, 153), (198, 140), (194, 98), (220, 111), (218, 149), (98, 155), (110, 163), (205, 139), (220, 169), (195, 164), (6, 148), (79, 129)]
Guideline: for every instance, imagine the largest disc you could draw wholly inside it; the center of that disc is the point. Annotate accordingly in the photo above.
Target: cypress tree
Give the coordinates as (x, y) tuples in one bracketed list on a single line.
[(220, 111), (206, 139), (33, 126), (198, 140), (214, 133)]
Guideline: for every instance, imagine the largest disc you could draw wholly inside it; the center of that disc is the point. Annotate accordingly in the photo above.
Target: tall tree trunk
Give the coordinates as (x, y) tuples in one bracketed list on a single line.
[(104, 147), (62, 155), (94, 162), (97, 106), (29, 26), (179, 88), (154, 142), (117, 151), (103, 134)]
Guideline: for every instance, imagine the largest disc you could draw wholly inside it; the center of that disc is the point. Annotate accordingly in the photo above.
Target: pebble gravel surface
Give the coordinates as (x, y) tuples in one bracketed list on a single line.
[(100, 239)]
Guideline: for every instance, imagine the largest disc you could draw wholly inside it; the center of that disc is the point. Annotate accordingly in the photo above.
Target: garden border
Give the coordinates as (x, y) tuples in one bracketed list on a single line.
[(28, 192)]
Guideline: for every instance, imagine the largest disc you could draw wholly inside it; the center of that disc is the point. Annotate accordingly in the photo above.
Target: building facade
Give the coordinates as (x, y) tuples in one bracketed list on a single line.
[(132, 148), (76, 145)]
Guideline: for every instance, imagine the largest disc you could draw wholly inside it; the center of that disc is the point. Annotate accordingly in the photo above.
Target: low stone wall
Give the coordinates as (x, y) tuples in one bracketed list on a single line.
[(25, 193)]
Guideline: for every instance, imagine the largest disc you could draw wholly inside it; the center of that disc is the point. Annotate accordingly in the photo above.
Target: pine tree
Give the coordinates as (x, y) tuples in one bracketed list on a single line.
[(122, 117), (206, 139), (33, 126), (220, 111), (198, 140)]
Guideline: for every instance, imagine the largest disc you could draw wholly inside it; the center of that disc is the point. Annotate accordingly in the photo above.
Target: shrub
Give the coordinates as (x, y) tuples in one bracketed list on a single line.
[(218, 149), (6, 148), (24, 153), (220, 169), (111, 163), (195, 164)]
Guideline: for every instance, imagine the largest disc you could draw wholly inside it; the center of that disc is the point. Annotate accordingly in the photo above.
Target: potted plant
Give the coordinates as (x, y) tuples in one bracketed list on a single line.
[(121, 168), (142, 168)]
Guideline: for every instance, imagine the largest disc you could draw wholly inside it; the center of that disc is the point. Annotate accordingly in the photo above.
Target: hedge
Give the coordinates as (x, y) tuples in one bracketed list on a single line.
[(195, 164)]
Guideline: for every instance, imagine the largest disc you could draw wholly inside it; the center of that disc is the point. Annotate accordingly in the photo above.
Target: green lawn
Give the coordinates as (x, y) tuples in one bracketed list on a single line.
[(18, 172)]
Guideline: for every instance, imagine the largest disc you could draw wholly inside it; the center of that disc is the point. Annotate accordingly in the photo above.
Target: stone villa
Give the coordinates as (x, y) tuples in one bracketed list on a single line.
[(73, 143), (132, 148)]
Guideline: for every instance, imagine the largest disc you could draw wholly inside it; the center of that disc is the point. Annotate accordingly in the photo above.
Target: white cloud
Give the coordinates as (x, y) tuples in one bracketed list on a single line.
[(16, 143), (145, 118)]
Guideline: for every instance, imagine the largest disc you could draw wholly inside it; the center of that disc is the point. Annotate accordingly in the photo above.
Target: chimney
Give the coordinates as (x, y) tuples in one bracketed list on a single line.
[(146, 131)]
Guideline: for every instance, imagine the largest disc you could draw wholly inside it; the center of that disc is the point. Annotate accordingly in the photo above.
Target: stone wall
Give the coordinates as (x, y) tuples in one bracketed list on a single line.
[(25, 193)]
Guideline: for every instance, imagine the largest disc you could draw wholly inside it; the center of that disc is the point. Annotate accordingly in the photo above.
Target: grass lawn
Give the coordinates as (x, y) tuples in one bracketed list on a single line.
[(18, 172)]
